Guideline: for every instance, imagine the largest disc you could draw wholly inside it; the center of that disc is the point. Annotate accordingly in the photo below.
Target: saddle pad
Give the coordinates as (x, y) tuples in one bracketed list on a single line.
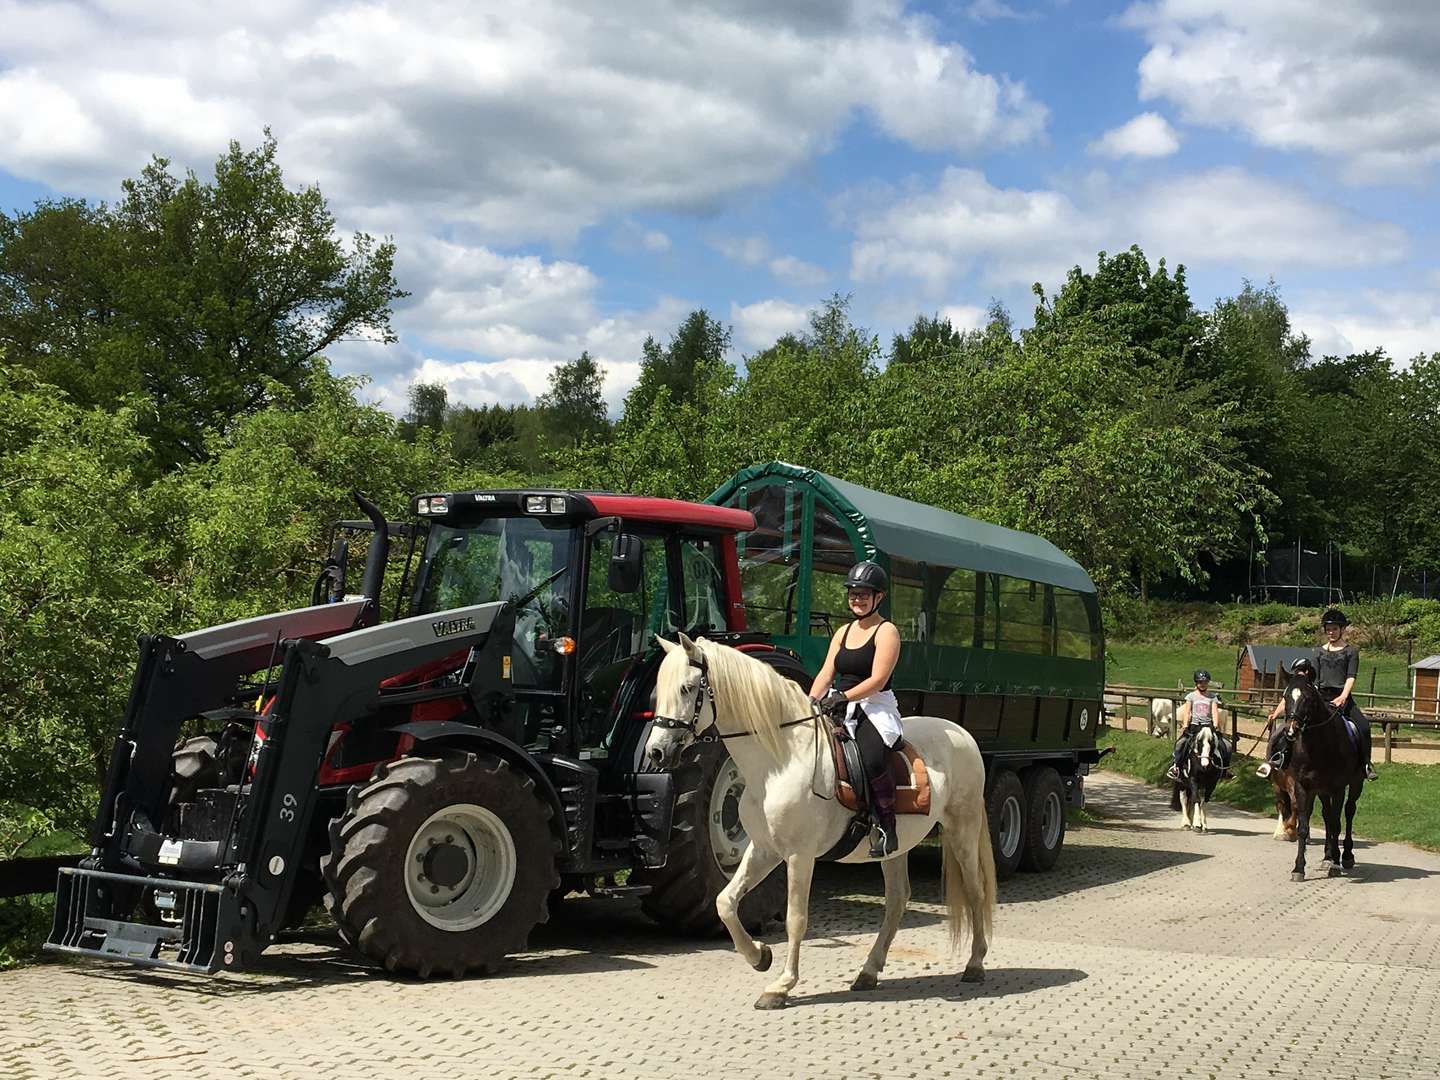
[(912, 781)]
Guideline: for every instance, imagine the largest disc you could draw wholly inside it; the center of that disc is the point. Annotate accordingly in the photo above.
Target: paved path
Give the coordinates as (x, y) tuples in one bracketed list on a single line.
[(1148, 952)]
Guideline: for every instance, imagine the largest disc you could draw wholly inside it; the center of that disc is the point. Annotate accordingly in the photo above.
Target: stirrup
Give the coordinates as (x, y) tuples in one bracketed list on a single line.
[(1173, 773), (1370, 773), (1264, 769), (883, 841)]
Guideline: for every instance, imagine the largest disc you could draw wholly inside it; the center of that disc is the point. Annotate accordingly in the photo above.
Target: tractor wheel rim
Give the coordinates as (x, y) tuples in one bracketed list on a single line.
[(1051, 821), (728, 838), (480, 867), (1010, 827)]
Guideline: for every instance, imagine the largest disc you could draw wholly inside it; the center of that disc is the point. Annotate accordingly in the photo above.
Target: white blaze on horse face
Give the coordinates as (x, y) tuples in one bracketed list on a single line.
[(1295, 695)]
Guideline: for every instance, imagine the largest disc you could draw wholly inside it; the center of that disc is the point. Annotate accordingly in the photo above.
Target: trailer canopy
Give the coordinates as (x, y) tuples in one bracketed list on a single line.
[(924, 534)]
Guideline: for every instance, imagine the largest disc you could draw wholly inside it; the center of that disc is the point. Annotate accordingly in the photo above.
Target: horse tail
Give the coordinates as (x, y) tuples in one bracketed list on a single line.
[(967, 871)]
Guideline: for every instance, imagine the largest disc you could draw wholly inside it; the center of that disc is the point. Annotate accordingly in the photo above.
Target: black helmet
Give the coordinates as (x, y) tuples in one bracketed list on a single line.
[(867, 575), (1303, 666), (1201, 675), (1334, 617)]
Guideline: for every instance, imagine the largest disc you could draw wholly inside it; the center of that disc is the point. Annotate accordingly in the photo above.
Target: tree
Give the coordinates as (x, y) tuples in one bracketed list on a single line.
[(427, 409), (695, 352), (574, 409), (928, 335), (205, 296)]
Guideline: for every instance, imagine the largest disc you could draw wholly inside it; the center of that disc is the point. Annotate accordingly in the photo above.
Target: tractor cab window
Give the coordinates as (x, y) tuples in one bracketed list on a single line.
[(500, 559), (704, 587), (616, 629)]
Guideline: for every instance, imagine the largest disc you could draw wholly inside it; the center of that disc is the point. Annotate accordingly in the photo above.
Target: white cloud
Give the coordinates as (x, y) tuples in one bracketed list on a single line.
[(755, 251), (1357, 82), (525, 122), (991, 10), (761, 324), (1148, 135), (1405, 324), (1014, 236)]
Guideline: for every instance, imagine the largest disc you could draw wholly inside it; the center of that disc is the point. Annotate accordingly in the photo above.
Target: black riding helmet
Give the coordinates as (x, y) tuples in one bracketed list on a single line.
[(1334, 617), (1201, 675), (1303, 666), (867, 575)]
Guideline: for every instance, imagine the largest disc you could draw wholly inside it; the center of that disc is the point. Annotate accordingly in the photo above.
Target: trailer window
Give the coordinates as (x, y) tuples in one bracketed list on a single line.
[(1022, 623), (1075, 637), (832, 553), (907, 600), (955, 621), (769, 563)]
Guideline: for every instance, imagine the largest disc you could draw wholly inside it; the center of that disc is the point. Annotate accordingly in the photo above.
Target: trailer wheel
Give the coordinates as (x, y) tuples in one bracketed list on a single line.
[(1044, 818), (706, 842), (441, 865), (1005, 807)]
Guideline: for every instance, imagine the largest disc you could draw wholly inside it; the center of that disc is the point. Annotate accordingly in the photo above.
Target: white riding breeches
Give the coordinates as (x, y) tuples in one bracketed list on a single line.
[(883, 711)]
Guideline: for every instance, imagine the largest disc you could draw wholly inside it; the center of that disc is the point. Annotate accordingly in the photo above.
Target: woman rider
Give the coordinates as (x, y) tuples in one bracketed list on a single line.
[(1336, 664), (856, 678)]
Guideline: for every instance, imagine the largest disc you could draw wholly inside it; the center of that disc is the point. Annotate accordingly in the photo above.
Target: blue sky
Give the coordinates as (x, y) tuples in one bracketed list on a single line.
[(562, 176)]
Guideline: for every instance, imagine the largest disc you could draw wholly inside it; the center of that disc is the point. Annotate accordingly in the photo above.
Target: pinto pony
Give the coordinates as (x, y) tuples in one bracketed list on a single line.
[(1326, 762), (789, 810), (1199, 773)]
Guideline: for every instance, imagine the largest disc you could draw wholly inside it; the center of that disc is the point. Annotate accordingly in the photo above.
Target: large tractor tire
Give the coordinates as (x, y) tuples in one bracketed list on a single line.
[(441, 865), (706, 842)]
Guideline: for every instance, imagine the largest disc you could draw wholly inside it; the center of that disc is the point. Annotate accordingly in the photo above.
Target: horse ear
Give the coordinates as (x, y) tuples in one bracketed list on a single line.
[(691, 649), (668, 646)]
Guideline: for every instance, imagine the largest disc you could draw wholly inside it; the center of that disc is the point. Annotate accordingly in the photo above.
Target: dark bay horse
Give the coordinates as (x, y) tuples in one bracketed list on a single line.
[(1324, 762)]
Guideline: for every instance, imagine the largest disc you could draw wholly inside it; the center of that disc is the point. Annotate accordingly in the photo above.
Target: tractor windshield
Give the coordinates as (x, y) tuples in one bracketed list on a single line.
[(504, 558)]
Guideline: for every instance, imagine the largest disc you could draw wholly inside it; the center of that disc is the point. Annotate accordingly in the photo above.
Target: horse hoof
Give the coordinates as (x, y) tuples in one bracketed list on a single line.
[(770, 1000), (1185, 827), (1334, 871), (766, 959), (864, 981), (1348, 862), (973, 974), (1297, 875)]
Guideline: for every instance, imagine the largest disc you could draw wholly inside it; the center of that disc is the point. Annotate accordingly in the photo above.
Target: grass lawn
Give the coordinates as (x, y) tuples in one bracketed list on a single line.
[(1403, 805), (1162, 665)]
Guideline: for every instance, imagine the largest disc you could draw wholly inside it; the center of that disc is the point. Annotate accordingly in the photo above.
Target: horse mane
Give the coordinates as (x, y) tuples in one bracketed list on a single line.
[(759, 697)]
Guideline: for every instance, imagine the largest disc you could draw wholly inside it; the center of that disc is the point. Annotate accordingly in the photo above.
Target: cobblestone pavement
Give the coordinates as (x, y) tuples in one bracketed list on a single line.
[(1147, 952)]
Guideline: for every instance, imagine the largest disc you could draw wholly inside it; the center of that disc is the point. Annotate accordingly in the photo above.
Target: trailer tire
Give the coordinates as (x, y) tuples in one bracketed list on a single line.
[(1044, 818), (684, 890), (1005, 807), (407, 894)]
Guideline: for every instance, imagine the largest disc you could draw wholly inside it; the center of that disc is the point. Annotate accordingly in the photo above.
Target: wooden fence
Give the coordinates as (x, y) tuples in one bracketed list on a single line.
[(1389, 720)]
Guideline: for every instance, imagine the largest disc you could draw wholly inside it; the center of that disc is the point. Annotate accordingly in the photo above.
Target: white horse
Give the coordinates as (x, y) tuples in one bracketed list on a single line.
[(769, 728), (1162, 715)]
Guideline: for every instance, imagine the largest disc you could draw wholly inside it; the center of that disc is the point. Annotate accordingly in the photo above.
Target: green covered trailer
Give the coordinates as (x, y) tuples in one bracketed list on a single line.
[(1001, 630)]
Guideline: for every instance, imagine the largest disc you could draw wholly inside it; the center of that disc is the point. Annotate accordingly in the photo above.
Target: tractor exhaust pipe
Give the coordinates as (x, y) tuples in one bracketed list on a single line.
[(379, 552)]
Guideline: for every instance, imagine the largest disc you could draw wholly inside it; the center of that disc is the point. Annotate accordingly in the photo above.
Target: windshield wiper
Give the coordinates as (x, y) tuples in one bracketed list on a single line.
[(519, 602)]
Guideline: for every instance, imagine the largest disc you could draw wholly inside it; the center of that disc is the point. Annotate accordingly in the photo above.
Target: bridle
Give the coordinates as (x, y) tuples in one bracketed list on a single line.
[(1304, 725), (705, 693)]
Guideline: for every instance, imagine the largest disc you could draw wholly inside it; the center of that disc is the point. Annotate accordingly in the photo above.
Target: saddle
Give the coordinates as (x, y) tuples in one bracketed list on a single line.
[(912, 781)]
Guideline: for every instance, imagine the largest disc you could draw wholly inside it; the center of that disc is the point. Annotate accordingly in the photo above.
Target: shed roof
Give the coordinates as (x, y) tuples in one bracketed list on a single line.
[(1430, 663), (1270, 659), (911, 530)]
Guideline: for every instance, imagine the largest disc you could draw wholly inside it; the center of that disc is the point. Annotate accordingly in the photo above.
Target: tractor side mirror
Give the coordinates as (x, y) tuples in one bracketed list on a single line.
[(625, 563)]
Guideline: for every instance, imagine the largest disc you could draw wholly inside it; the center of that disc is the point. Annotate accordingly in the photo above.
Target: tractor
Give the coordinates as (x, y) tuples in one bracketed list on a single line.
[(438, 780)]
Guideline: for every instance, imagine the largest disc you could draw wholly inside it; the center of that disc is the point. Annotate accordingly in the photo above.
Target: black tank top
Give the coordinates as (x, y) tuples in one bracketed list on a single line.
[(854, 666)]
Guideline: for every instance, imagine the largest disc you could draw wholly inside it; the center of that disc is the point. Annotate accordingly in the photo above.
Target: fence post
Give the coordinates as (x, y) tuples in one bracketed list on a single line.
[(1389, 739), (1124, 712), (1174, 720)]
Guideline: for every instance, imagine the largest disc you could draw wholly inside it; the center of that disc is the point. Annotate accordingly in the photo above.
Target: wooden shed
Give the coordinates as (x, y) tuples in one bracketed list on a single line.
[(1425, 686), (1264, 670)]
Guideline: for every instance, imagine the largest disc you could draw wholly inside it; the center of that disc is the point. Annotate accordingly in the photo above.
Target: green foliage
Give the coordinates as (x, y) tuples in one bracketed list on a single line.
[(204, 296), (1272, 614), (574, 409)]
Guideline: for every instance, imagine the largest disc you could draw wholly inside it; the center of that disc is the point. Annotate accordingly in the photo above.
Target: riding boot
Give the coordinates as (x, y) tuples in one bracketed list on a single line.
[(883, 838)]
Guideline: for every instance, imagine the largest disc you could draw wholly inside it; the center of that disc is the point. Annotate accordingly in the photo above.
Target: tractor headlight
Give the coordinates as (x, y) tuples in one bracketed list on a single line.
[(535, 504)]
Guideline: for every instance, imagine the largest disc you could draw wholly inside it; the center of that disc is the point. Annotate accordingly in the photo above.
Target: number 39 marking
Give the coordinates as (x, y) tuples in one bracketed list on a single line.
[(287, 808)]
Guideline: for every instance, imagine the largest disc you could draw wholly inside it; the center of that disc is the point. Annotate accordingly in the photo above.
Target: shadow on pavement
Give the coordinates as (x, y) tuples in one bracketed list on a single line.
[(1381, 872), (999, 983)]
